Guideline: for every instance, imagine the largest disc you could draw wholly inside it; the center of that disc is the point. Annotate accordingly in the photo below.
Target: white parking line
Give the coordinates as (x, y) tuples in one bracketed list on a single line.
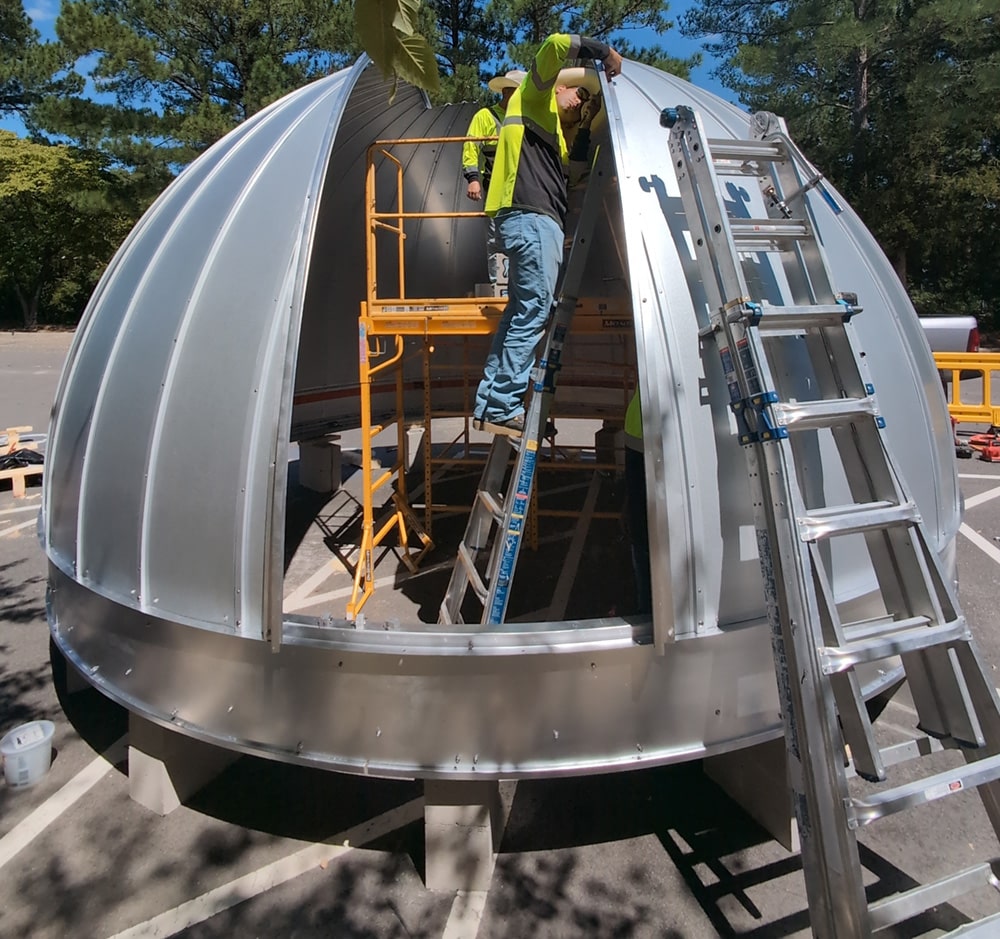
[(466, 914), (264, 878), (25, 831), (27, 524), (988, 548), (20, 508), (973, 501), (294, 601)]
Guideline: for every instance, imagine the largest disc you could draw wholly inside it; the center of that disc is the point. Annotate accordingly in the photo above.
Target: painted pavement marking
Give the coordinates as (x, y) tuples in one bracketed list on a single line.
[(24, 832), (222, 898)]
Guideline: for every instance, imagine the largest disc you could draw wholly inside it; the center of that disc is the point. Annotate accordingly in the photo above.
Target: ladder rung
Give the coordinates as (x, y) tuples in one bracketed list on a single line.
[(828, 412), (475, 581), (835, 659), (903, 906), (909, 750), (802, 317), (863, 811), (492, 504), (752, 233), (847, 519), (980, 929), (743, 151), (865, 629)]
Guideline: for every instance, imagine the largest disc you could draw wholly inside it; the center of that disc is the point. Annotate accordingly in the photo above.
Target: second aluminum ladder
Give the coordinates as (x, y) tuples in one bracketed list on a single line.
[(817, 643)]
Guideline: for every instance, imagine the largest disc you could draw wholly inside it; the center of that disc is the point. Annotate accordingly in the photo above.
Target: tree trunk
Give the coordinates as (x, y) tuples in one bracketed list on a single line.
[(899, 265), (29, 306)]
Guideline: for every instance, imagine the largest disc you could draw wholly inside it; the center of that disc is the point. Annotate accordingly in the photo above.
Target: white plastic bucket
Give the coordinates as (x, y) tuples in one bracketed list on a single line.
[(27, 753)]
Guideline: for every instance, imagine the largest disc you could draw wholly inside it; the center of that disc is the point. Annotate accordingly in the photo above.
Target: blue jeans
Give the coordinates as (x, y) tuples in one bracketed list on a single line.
[(533, 244)]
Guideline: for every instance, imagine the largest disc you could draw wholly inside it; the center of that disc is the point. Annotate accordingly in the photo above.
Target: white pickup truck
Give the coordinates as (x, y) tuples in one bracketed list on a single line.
[(951, 333)]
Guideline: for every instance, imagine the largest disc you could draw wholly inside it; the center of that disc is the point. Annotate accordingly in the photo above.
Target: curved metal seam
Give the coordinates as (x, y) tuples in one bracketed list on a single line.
[(274, 513), (640, 258), (185, 323)]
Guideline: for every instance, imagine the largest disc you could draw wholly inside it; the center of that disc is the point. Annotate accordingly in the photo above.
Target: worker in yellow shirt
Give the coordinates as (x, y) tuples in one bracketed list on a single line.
[(528, 196), (635, 505), (478, 156)]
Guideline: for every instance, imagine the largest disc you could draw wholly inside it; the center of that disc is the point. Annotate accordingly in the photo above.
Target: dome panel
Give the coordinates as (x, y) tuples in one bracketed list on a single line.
[(243, 285)]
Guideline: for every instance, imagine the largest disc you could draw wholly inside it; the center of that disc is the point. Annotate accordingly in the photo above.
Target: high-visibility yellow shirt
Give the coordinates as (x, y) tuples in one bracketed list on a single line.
[(478, 157), (532, 159), (633, 423)]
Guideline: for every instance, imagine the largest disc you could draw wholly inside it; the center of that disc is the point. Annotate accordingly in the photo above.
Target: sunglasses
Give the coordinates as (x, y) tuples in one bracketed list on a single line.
[(583, 94)]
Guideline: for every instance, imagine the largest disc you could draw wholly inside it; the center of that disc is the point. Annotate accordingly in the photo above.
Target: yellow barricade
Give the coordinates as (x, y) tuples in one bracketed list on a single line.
[(970, 365)]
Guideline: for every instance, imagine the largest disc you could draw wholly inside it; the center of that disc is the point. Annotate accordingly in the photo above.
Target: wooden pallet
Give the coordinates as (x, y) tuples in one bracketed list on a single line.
[(19, 474)]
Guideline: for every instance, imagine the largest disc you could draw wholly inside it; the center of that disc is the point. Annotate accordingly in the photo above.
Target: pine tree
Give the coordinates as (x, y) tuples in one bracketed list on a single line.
[(897, 103)]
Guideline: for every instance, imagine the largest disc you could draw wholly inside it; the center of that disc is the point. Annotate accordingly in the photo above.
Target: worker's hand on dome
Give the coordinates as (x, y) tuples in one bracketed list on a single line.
[(612, 64)]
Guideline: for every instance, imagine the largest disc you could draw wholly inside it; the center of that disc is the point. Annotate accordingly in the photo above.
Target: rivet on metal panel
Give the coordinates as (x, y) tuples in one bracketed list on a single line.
[(229, 710), (128, 672), (378, 731), (555, 734), (638, 747), (94, 669), (173, 714), (298, 747)]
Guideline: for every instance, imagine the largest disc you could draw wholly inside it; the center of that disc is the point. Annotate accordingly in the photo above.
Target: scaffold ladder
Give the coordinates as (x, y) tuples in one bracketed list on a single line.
[(828, 730), (505, 512)]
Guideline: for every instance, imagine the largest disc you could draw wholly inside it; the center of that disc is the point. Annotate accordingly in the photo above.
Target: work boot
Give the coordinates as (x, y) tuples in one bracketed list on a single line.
[(512, 427)]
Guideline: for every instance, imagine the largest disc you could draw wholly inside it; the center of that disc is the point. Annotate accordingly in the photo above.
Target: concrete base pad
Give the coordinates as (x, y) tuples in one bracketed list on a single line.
[(165, 767), (756, 778), (463, 824)]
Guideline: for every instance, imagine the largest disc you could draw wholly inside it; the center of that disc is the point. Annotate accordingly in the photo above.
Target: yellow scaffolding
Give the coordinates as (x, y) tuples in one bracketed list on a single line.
[(395, 318)]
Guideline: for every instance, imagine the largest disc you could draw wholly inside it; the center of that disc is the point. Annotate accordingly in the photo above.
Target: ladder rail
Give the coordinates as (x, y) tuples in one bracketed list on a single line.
[(815, 652), (510, 510), (543, 389)]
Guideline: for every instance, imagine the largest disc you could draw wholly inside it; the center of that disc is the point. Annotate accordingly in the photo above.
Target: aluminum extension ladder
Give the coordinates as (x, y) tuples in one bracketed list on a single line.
[(826, 721), (502, 498)]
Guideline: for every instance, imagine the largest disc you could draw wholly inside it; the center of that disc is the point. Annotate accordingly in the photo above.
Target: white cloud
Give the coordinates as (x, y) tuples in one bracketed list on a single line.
[(44, 12)]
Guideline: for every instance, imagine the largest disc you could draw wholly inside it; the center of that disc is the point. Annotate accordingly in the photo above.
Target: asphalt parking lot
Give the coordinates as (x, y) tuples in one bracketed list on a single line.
[(261, 850)]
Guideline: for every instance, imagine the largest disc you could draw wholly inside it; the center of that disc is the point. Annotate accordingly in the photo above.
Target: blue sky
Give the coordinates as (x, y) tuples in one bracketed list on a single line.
[(43, 15)]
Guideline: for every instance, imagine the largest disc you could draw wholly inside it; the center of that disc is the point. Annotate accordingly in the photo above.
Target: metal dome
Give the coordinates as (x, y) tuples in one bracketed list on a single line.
[(226, 326)]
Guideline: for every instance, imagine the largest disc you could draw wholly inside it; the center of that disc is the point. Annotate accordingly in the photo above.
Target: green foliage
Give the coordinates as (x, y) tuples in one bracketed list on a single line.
[(180, 74), (897, 103), (165, 79), (388, 33), (29, 69), (526, 23), (63, 214)]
